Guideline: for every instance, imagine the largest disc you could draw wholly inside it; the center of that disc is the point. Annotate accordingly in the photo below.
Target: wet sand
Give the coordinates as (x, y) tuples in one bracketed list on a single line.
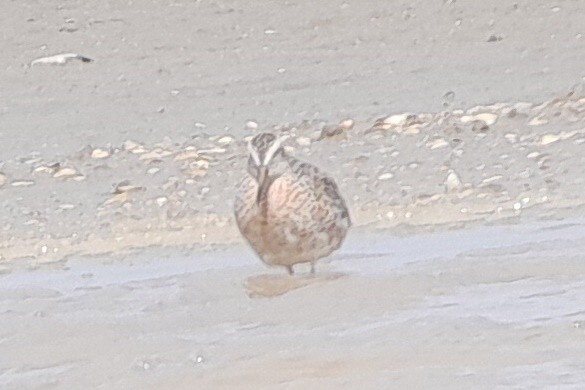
[(455, 130), (490, 307)]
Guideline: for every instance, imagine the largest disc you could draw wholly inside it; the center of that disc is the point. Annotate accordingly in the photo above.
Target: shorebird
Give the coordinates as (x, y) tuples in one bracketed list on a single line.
[(288, 210)]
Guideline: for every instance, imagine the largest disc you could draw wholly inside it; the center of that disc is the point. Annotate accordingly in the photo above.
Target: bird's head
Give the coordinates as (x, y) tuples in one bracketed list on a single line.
[(266, 161)]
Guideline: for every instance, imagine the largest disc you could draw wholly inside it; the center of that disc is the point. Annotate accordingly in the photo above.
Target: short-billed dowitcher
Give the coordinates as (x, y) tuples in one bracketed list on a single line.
[(288, 210)]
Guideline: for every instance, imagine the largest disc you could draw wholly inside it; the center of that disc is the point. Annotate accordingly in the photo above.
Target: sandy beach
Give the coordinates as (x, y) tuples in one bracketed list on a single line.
[(455, 131)]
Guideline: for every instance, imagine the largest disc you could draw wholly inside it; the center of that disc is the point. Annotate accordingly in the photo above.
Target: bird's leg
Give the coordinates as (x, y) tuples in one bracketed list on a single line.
[(290, 270)]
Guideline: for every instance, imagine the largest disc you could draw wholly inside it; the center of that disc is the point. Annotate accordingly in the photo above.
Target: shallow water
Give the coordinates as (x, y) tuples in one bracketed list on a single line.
[(490, 307)]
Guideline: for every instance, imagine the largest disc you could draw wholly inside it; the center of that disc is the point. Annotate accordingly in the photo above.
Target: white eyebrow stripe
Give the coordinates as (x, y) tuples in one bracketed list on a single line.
[(273, 148), (254, 154)]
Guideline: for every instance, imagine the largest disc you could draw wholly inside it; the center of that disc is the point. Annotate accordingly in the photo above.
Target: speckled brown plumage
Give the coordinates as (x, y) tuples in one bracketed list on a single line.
[(292, 213)]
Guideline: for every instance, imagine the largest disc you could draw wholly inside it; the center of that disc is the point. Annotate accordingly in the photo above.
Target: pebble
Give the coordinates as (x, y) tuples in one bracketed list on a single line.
[(490, 108), (212, 151), (125, 187), (303, 141), (156, 154), (542, 162), (330, 131), (427, 199), (492, 179), (2, 179), (347, 124), (538, 121), (65, 173), (453, 182), (487, 117), (22, 183), (161, 201), (153, 171), (46, 169), (117, 198), (32, 160), (549, 139), (99, 154), (197, 172), (134, 147), (437, 143), (413, 129), (386, 176), (397, 119), (200, 163), (130, 145), (511, 137), (190, 153), (448, 98), (525, 174), (465, 193), (479, 127), (523, 107), (226, 140), (139, 150), (251, 125)]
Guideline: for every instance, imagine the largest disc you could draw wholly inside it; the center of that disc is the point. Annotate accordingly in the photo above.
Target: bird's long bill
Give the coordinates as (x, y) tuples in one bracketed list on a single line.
[(263, 183)]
